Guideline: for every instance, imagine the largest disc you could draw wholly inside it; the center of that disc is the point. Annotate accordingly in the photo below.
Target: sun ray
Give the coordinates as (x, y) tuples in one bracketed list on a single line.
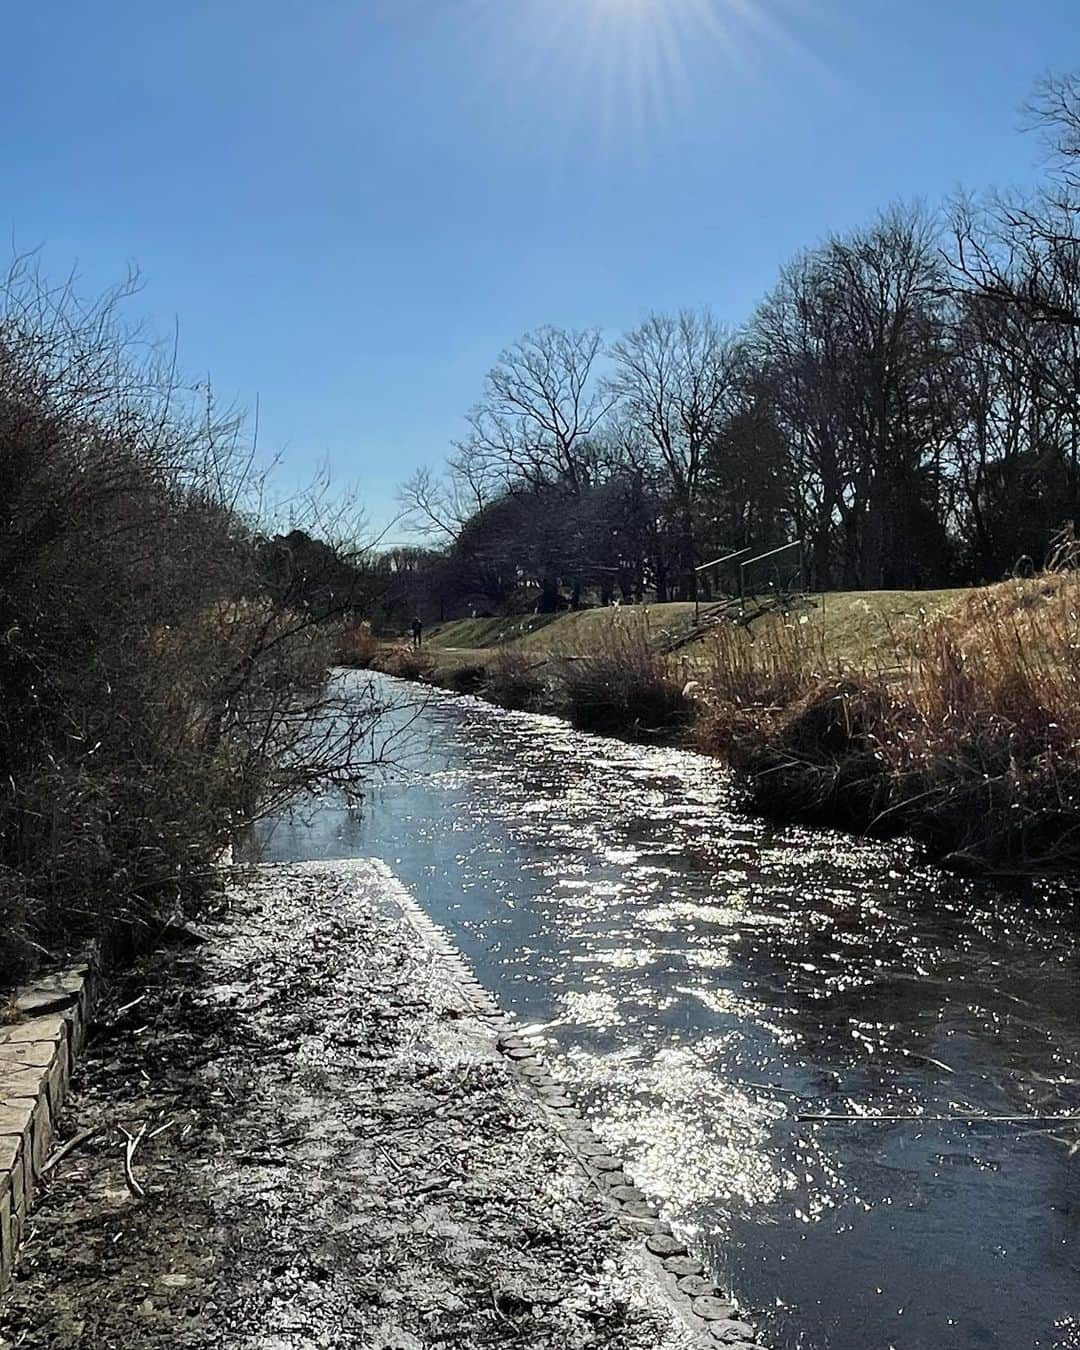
[(569, 76)]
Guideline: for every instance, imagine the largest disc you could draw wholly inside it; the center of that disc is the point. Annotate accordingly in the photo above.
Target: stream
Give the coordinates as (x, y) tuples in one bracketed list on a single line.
[(706, 981)]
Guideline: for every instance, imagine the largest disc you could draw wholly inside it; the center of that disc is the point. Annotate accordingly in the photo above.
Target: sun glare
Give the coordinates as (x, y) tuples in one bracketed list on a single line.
[(599, 78), (613, 67)]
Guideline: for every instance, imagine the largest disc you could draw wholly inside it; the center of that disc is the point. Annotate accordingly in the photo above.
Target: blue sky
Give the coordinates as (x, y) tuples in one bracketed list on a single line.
[(350, 206)]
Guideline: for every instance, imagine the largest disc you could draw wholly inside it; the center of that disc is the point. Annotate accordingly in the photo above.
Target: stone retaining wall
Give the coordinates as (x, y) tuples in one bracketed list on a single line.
[(37, 1046)]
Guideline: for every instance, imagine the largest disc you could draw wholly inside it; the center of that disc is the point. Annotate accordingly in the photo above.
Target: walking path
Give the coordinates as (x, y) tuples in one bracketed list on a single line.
[(333, 1154)]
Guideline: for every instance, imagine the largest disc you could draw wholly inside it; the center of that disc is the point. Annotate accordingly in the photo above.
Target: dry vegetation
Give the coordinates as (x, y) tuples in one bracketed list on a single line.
[(356, 646), (405, 661), (515, 680), (623, 685), (964, 731), (155, 697)]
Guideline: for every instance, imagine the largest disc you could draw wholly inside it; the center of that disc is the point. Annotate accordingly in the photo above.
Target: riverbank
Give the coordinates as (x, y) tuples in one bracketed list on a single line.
[(332, 1153), (957, 724)]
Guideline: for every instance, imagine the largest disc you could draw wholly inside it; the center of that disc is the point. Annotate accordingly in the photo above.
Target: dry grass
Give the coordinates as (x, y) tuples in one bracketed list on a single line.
[(965, 732), (356, 646), (406, 662), (465, 677), (514, 680), (624, 686)]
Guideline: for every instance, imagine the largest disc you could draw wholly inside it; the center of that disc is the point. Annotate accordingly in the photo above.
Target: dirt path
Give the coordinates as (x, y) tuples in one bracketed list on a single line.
[(342, 1159)]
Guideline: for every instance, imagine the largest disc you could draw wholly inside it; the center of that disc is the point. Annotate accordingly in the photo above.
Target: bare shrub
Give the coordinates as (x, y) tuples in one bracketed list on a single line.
[(820, 757), (466, 678), (156, 698), (356, 646), (406, 662)]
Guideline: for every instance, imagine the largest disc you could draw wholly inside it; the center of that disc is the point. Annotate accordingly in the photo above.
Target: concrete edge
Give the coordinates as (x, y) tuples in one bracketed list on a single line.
[(679, 1273), (37, 1052)]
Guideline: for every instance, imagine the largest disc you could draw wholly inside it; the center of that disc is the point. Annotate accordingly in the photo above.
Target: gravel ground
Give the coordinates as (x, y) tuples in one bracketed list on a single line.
[(333, 1155)]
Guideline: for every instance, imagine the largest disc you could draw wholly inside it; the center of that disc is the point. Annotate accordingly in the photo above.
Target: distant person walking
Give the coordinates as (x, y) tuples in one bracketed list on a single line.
[(417, 632)]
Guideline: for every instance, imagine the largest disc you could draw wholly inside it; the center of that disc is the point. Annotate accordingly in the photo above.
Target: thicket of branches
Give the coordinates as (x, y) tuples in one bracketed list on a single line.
[(906, 401), (160, 686)]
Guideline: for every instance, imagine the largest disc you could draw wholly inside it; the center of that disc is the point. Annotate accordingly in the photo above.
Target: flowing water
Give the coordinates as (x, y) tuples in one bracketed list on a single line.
[(706, 982)]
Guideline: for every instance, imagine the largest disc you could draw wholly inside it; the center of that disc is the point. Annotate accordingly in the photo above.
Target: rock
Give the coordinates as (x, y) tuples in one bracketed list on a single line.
[(684, 1265), (713, 1309), (696, 1285), (623, 1193), (664, 1244), (730, 1331), (640, 1209), (590, 1148)]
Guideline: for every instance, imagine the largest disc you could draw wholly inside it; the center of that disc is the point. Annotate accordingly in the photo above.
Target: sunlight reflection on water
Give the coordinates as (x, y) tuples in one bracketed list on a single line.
[(705, 979)]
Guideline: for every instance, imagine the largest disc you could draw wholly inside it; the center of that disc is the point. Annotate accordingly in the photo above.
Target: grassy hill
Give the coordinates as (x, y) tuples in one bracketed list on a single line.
[(852, 624)]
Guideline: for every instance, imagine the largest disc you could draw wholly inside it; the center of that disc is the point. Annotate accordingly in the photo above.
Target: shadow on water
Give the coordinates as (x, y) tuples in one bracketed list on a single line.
[(705, 980)]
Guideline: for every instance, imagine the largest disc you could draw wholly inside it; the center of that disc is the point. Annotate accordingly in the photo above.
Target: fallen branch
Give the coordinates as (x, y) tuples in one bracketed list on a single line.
[(72, 1144), (133, 1142)]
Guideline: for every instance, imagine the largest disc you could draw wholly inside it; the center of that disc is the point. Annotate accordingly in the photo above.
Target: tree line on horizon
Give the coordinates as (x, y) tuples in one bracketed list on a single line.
[(905, 401)]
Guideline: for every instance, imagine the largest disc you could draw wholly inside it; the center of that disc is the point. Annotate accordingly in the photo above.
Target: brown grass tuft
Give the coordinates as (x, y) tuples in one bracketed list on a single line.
[(624, 687), (966, 733), (406, 662), (356, 646), (467, 678), (514, 680)]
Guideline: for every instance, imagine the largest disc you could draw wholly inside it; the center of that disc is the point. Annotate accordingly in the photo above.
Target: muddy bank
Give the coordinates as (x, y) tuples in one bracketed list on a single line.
[(333, 1155)]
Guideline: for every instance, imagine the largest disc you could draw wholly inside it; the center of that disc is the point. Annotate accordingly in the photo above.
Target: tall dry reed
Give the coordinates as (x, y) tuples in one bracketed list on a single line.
[(623, 685), (964, 731)]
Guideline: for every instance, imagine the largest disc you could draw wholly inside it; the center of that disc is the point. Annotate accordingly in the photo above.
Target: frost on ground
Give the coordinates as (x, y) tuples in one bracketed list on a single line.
[(333, 1156)]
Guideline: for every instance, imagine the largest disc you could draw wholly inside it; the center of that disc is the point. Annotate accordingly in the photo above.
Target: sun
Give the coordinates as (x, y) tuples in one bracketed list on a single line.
[(607, 74)]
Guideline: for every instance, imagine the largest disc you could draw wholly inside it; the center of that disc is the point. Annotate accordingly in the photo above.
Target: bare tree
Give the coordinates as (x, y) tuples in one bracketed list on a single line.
[(1025, 251), (675, 381), (540, 408), (441, 507), (854, 345)]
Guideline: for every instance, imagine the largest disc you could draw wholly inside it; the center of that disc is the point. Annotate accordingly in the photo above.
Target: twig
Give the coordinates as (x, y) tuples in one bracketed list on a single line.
[(133, 1142), (395, 1166), (927, 1059), (72, 1144), (966, 1120)]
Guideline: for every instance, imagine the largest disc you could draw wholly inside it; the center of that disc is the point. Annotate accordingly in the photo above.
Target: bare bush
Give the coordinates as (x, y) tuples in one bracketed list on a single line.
[(356, 646), (468, 677), (156, 698), (406, 662)]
